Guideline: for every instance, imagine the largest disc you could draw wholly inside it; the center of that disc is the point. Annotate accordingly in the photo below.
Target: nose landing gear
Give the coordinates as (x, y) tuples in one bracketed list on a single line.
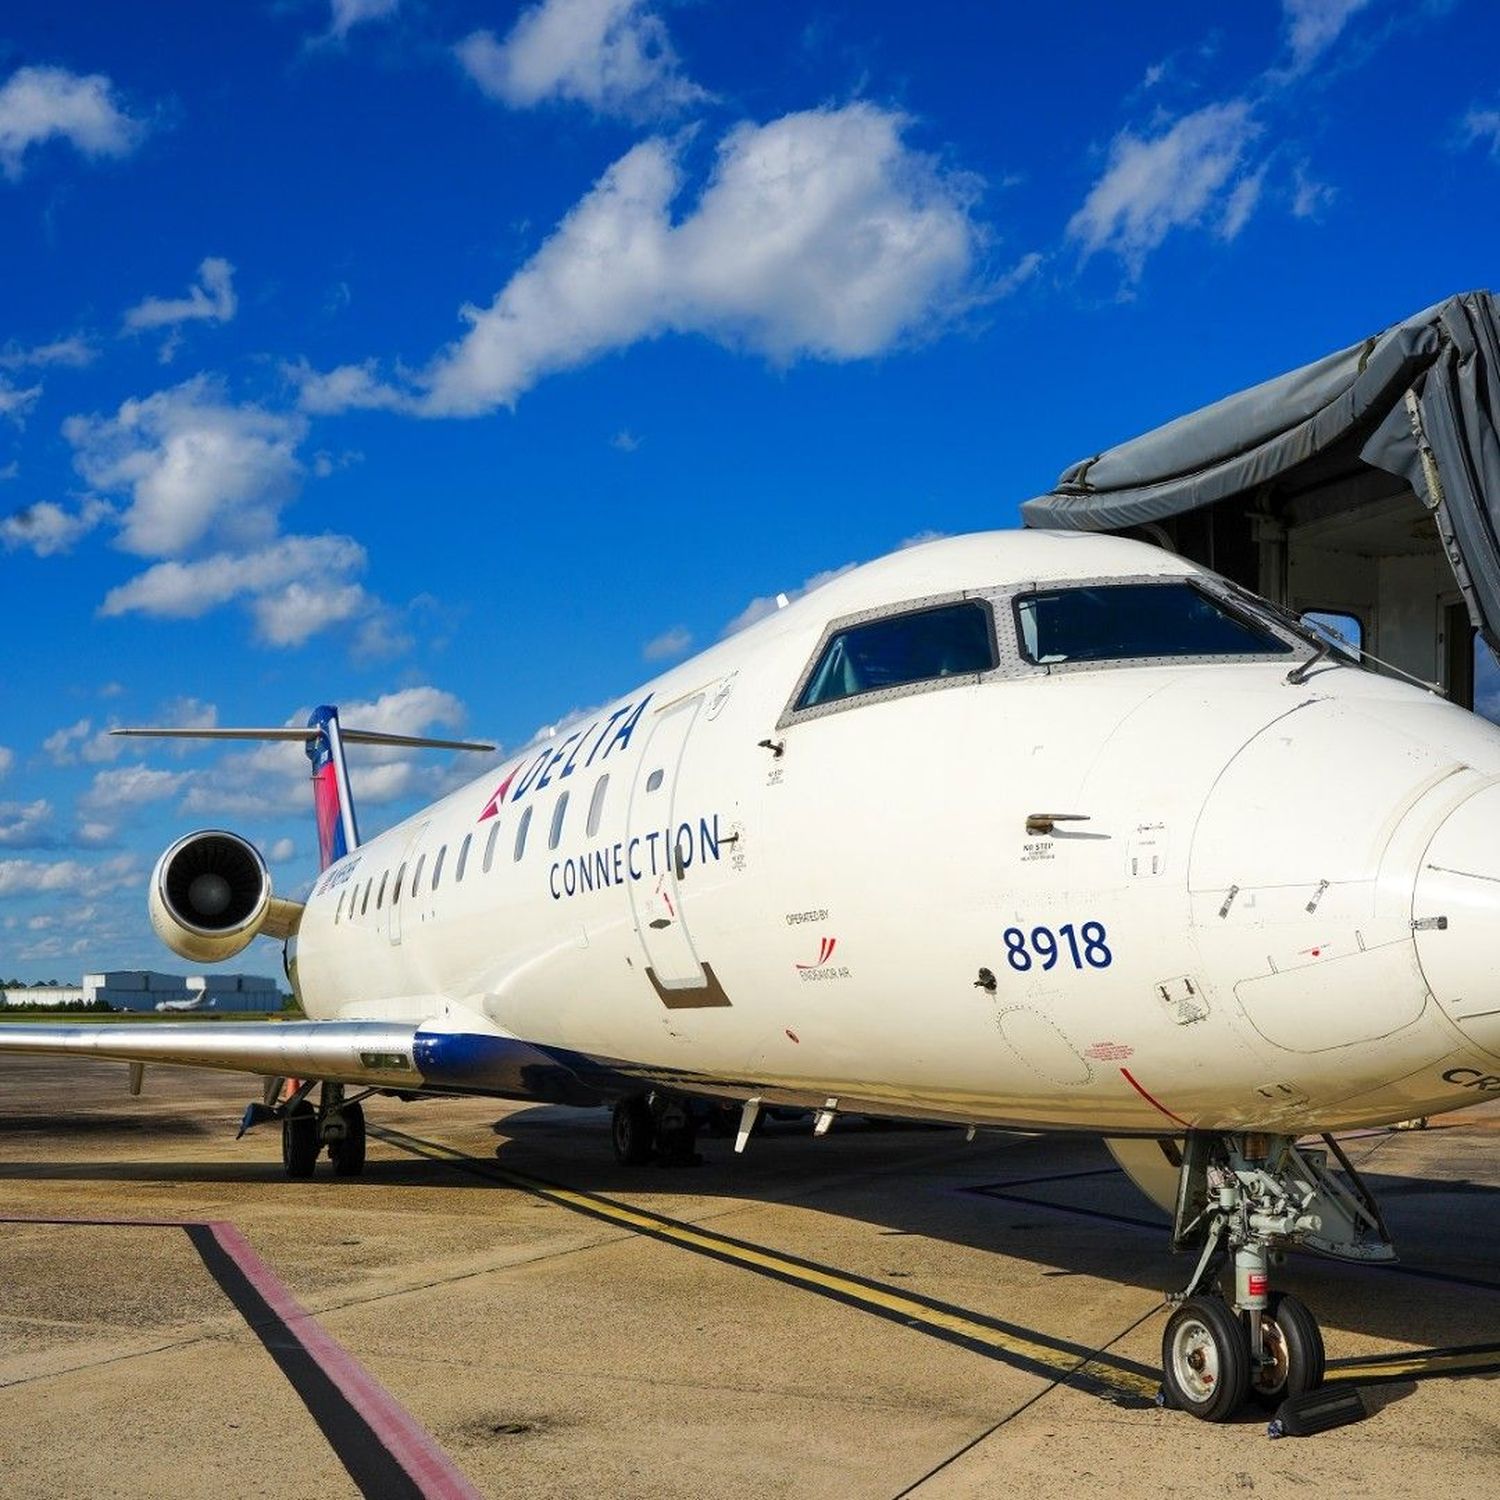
[(1249, 1196)]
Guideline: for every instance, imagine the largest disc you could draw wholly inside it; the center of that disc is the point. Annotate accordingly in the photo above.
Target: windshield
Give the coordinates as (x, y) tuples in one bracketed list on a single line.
[(1110, 622), (951, 641)]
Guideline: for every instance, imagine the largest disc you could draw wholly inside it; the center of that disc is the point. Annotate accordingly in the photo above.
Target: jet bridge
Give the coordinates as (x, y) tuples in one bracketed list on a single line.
[(1363, 488)]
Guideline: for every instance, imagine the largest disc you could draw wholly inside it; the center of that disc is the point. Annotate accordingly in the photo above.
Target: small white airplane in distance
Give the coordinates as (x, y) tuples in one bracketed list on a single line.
[(1023, 829), (198, 1002)]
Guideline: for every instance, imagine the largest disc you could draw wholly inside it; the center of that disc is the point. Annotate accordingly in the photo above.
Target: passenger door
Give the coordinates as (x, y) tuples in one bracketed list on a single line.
[(656, 899)]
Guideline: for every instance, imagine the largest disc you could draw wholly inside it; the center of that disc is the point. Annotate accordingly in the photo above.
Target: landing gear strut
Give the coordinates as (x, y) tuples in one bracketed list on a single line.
[(1245, 1198)]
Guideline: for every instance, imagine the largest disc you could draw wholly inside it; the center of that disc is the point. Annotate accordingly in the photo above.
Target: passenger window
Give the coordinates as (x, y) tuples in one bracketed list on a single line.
[(653, 781), (396, 891), (463, 856), (521, 828), (1112, 622), (339, 909), (416, 874), (596, 804), (1342, 631), (489, 845), (437, 866), (558, 813), (364, 905), (955, 640), (380, 894)]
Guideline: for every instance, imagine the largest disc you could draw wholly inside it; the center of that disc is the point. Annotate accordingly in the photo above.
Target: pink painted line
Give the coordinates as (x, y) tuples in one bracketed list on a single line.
[(407, 1441)]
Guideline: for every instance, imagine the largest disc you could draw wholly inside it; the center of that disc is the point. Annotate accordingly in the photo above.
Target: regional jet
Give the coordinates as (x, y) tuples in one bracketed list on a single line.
[(1036, 830)]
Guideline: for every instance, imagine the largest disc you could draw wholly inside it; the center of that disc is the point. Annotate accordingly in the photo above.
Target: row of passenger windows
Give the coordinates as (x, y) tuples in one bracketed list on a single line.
[(359, 897)]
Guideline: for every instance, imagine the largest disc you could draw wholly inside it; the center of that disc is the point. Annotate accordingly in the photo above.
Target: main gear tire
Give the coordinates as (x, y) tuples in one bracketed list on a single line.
[(347, 1152), (299, 1140), (633, 1132)]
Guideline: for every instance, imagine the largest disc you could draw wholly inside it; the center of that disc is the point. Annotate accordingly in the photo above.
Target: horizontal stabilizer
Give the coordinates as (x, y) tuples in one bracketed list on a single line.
[(312, 732)]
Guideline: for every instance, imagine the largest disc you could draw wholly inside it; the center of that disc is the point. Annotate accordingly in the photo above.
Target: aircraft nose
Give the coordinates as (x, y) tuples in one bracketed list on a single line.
[(1456, 917)]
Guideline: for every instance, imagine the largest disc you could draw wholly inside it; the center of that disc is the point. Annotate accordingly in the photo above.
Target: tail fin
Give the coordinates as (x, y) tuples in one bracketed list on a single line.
[(324, 740), (333, 804)]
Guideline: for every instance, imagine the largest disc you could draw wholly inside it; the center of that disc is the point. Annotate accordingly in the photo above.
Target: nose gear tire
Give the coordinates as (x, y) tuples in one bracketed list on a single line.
[(1291, 1336), (1205, 1359)]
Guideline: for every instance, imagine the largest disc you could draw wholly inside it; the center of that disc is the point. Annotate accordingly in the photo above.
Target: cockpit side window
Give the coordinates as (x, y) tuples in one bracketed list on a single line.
[(1114, 622), (952, 640)]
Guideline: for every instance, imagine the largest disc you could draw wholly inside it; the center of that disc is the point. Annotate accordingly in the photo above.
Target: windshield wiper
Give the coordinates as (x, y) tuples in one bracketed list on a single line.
[(1300, 673)]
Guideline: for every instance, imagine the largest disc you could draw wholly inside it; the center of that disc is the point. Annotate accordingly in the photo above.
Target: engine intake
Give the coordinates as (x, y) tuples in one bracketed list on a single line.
[(210, 894)]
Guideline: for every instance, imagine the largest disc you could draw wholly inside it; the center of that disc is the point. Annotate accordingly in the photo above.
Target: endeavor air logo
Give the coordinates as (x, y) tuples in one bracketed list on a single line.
[(825, 952), (823, 968), (601, 739)]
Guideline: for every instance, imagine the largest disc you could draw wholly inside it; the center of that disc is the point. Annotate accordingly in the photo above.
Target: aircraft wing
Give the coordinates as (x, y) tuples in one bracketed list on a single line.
[(370, 1052), (377, 1054)]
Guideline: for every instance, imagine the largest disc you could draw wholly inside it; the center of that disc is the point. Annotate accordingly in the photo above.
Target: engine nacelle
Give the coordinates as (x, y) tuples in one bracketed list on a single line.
[(210, 894)]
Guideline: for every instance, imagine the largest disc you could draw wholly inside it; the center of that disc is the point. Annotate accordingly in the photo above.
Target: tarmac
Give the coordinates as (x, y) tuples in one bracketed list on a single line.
[(495, 1307)]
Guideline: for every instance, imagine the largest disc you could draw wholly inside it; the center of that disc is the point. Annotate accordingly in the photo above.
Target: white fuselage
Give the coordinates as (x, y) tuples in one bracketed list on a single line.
[(1248, 930)]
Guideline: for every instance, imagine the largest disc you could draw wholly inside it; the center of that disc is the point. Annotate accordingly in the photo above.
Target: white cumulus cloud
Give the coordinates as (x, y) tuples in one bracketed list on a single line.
[(668, 644), (1313, 25), (47, 528), (345, 15), (1192, 173), (117, 790), (615, 56), (767, 604), (296, 586), (820, 235), (16, 401), (80, 741), (193, 464), (22, 824), (210, 299), (72, 352), (1481, 126), (38, 104), (25, 877)]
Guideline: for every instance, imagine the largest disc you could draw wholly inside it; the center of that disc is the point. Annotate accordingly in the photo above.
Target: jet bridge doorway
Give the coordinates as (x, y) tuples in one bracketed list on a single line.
[(1364, 487)]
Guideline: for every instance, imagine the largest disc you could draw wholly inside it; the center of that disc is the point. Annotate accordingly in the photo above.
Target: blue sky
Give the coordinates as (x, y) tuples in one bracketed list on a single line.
[(461, 363)]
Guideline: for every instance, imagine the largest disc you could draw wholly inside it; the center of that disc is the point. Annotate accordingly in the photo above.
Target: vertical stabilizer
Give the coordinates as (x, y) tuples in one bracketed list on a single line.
[(338, 832)]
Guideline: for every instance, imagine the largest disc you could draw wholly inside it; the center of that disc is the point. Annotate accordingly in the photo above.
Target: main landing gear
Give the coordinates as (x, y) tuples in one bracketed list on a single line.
[(1244, 1198), (336, 1125), (654, 1127)]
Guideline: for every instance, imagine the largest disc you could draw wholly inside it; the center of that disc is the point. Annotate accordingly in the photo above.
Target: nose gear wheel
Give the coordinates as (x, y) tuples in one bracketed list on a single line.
[(1205, 1359)]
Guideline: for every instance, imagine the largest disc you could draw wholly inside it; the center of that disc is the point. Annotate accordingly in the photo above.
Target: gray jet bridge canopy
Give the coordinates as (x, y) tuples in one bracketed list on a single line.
[(1366, 484)]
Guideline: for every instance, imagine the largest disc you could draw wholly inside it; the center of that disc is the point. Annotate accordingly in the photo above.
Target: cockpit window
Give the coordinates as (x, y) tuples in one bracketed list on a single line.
[(1109, 622), (954, 640)]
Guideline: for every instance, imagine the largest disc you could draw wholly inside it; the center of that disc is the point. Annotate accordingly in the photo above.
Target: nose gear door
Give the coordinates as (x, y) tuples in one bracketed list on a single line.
[(1456, 913)]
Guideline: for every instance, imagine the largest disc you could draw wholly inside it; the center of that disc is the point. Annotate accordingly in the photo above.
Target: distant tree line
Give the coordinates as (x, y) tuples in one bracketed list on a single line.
[(74, 1005)]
